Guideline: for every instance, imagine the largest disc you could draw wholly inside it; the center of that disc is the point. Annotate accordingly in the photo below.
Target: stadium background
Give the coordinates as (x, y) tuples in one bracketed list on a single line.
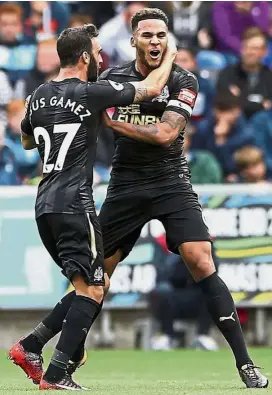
[(228, 146)]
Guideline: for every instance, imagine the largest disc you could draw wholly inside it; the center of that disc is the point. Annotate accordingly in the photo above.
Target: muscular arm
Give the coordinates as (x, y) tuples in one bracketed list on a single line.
[(141, 93), (163, 133)]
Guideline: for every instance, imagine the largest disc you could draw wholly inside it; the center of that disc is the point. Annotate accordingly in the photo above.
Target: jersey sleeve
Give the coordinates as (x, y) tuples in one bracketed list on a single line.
[(105, 75), (104, 94), (26, 127), (183, 97)]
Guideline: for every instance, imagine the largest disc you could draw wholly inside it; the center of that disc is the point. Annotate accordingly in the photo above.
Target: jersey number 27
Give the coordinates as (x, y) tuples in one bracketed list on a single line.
[(70, 129)]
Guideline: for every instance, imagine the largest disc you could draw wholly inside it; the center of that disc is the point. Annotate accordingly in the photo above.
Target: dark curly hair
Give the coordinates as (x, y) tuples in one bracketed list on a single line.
[(73, 41), (148, 13)]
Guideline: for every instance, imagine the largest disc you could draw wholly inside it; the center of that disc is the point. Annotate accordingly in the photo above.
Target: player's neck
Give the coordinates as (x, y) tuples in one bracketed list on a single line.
[(71, 72), (141, 68)]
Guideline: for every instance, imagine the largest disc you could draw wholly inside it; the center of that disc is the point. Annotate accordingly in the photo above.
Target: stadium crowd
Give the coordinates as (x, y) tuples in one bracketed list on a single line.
[(228, 45)]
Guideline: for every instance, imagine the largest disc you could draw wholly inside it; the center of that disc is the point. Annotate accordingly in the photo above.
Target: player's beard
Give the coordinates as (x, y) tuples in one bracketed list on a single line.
[(92, 71)]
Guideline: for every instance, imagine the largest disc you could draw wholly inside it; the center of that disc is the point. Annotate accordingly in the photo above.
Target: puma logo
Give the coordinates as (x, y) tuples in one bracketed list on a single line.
[(227, 318)]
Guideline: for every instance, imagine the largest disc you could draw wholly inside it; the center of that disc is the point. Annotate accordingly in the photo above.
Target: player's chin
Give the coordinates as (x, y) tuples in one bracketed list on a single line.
[(154, 64)]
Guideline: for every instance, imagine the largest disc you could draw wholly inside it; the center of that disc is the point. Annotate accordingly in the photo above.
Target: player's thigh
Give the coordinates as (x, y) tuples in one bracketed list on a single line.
[(79, 246), (47, 237), (183, 220), (121, 220)]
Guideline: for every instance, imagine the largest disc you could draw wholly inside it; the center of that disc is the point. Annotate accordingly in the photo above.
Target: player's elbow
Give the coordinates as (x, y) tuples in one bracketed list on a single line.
[(164, 140), (154, 91), (166, 137)]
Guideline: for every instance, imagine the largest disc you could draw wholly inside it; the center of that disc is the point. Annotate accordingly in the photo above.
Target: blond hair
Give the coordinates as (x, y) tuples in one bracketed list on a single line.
[(248, 156)]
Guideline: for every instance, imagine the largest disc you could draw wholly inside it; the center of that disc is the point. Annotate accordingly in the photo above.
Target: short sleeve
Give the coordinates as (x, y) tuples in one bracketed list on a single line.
[(104, 94), (26, 126), (183, 97)]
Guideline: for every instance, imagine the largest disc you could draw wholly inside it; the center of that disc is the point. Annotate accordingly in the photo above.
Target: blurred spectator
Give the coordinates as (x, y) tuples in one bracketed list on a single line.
[(100, 11), (204, 102), (224, 132), (191, 23), (260, 126), (26, 160), (232, 18), (204, 167), (114, 35), (8, 166), (78, 20), (17, 52), (179, 298), (251, 165), (47, 66), (6, 90), (5, 97), (45, 19), (249, 79)]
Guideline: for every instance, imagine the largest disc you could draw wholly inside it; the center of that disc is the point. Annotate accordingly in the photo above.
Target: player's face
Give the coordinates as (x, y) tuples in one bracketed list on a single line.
[(95, 61), (150, 40)]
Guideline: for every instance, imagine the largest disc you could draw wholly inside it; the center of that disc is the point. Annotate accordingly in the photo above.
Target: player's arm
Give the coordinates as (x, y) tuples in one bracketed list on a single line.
[(173, 121), (106, 93), (163, 133), (27, 137)]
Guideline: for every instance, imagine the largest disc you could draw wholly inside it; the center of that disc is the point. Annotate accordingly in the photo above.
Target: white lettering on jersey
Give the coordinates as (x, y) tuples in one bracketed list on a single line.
[(54, 101)]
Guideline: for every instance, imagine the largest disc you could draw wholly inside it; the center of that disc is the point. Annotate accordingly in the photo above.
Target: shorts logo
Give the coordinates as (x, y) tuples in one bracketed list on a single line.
[(187, 96), (163, 96), (98, 274), (116, 85)]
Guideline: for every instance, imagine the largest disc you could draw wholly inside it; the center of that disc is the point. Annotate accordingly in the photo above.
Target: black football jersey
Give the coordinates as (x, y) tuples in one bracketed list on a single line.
[(64, 119), (138, 163)]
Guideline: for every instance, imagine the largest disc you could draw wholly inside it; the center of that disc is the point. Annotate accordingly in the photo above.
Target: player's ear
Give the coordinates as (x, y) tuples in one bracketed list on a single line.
[(132, 42), (86, 57)]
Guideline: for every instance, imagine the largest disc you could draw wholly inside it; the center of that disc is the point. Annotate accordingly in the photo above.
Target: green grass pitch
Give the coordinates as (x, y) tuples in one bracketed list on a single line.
[(149, 373)]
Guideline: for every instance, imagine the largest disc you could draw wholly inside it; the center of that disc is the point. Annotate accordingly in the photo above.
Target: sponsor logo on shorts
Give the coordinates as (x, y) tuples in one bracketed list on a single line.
[(187, 96), (98, 274)]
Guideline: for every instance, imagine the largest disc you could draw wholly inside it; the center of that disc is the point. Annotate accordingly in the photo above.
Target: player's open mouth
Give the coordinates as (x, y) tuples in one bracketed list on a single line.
[(154, 54)]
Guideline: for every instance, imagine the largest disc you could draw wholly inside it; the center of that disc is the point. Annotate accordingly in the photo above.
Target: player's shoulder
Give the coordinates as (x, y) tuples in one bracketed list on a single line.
[(182, 79), (124, 71), (37, 91), (179, 72)]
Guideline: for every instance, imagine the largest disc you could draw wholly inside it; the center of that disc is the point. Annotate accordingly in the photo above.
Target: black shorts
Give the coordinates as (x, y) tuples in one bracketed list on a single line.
[(74, 242), (123, 216)]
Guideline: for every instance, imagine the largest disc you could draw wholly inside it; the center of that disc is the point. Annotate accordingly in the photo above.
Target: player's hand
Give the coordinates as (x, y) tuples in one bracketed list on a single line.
[(171, 51), (106, 119)]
